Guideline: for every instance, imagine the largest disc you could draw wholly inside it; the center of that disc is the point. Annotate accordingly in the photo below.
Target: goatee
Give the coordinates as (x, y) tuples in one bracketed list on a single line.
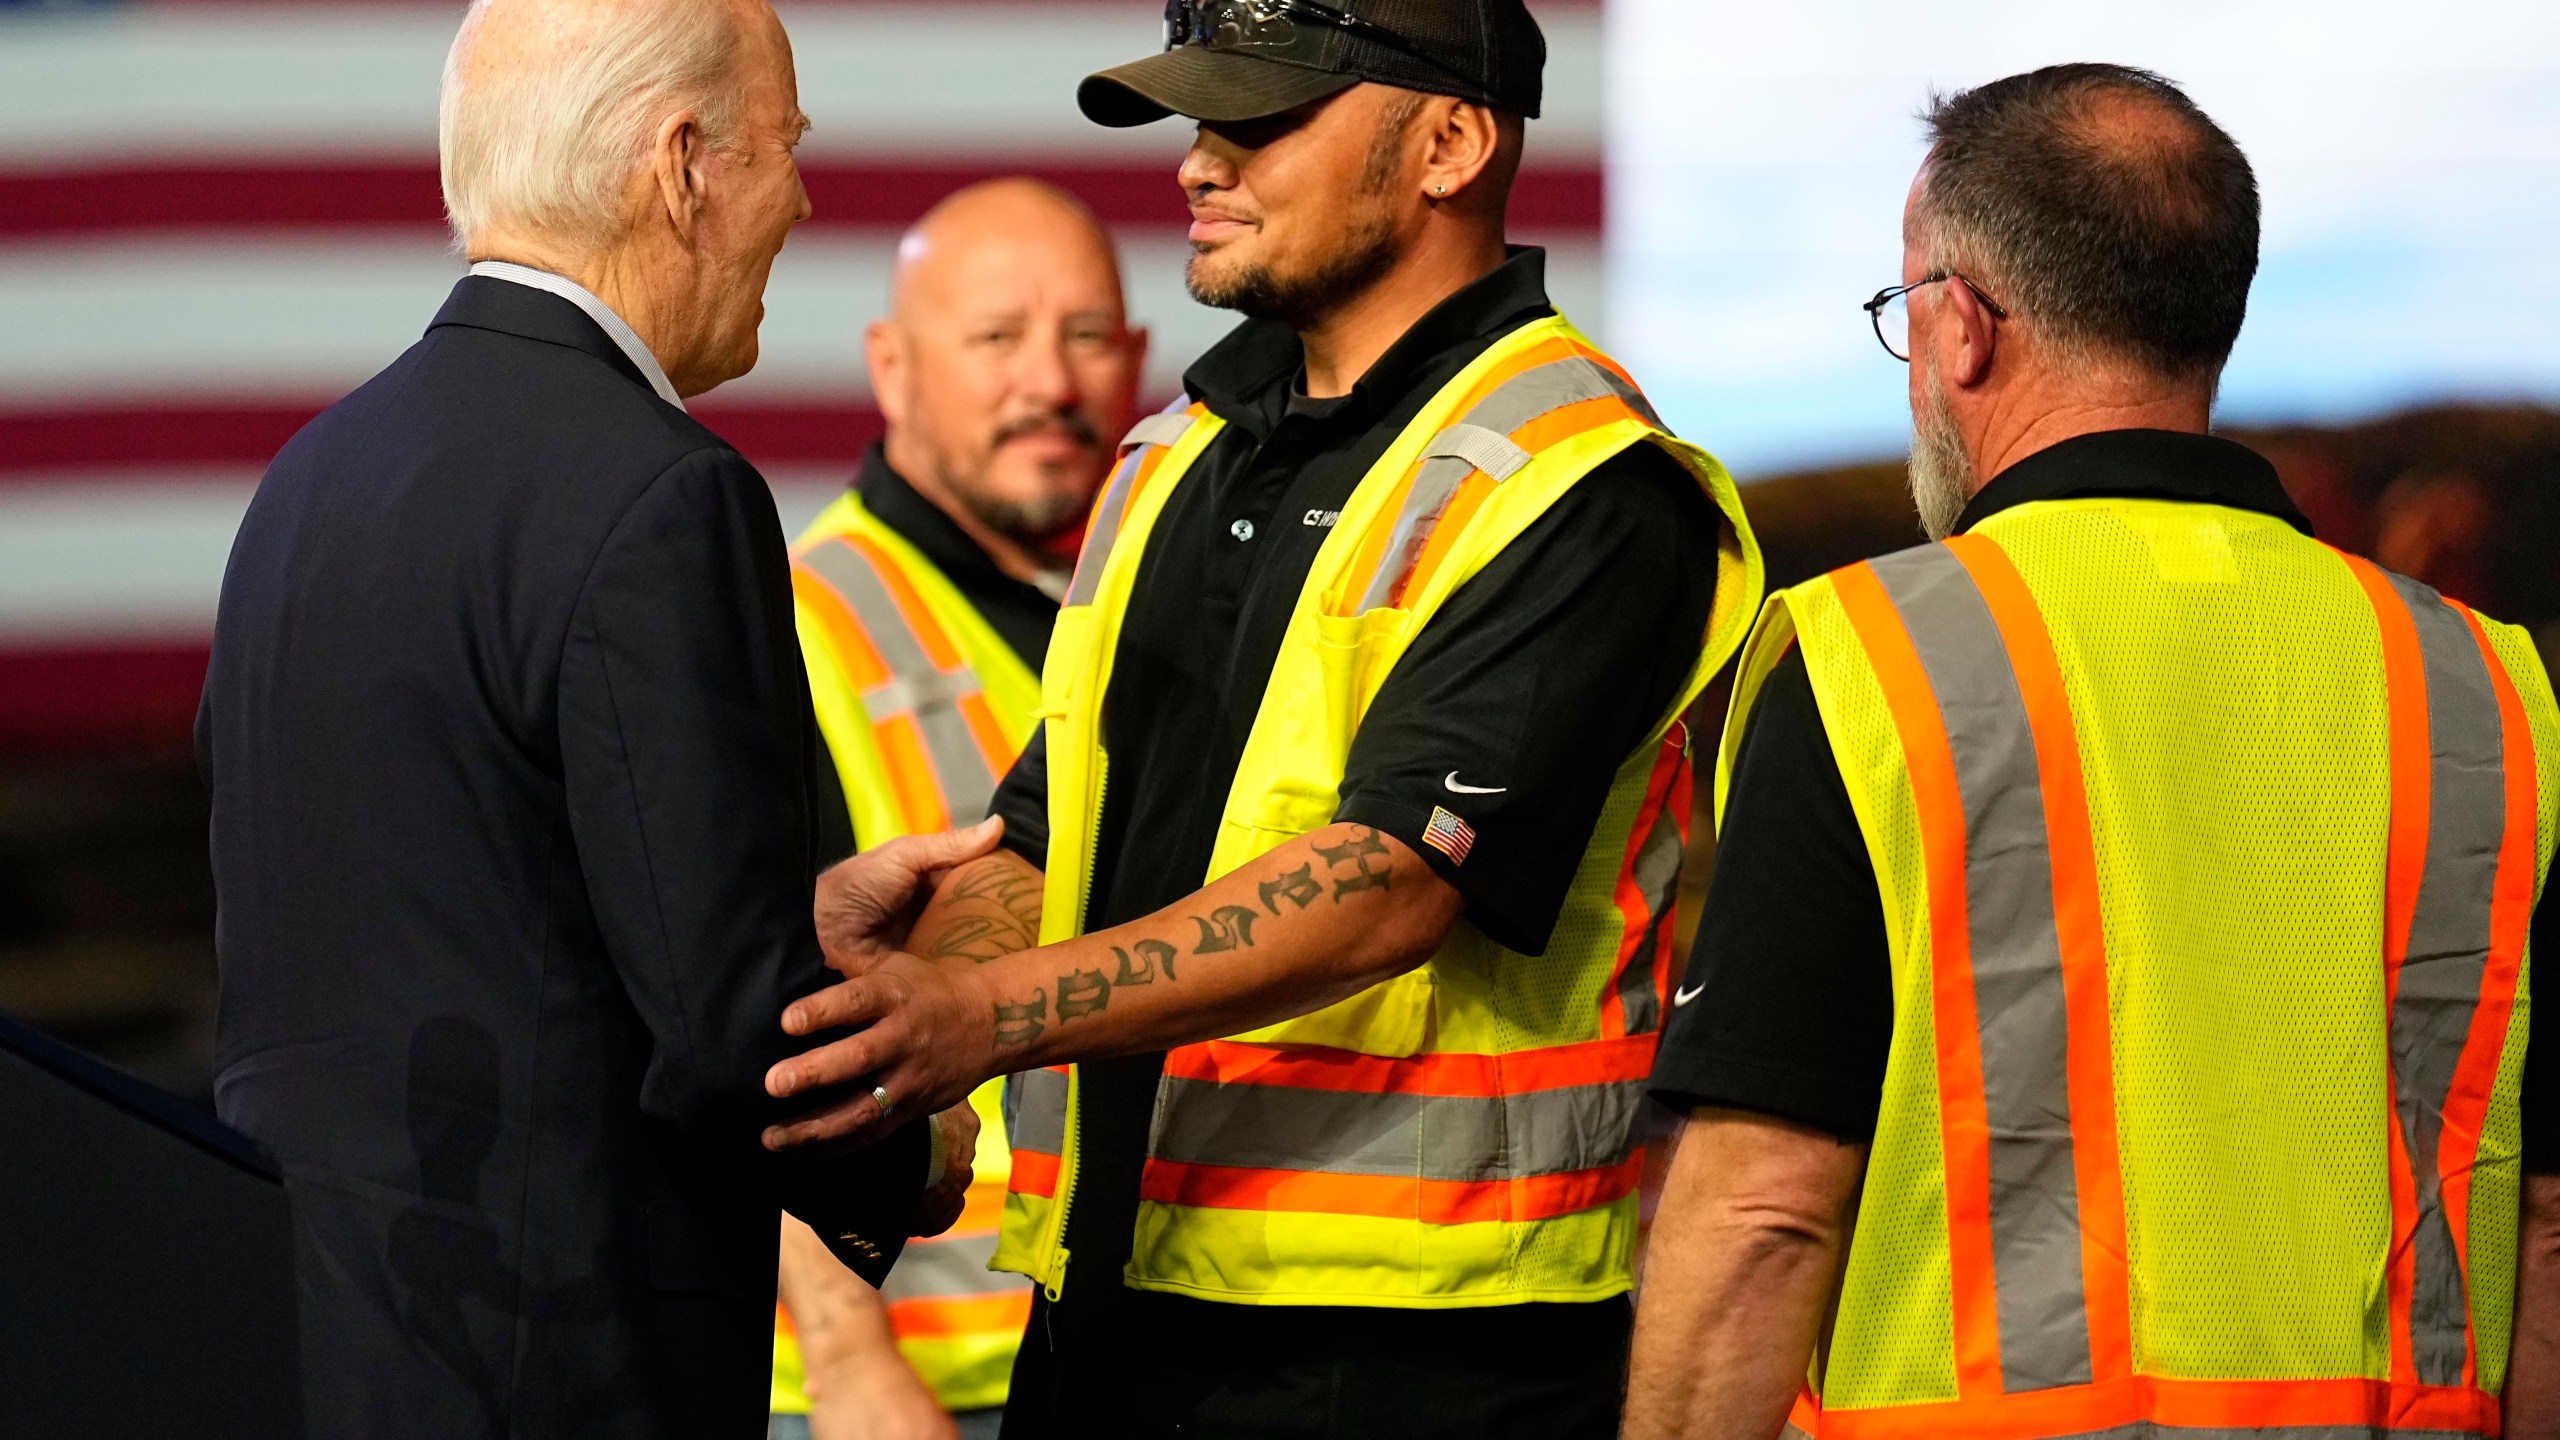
[(1366, 253)]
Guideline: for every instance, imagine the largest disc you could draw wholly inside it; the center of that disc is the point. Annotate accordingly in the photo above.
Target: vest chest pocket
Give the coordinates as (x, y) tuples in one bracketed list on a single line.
[(1352, 654)]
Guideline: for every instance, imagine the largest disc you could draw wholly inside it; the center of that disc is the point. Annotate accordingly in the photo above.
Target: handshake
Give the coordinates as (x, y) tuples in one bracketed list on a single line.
[(921, 1036)]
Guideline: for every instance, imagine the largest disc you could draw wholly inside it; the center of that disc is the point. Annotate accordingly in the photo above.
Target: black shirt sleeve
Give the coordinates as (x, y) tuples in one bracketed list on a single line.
[(1022, 798), (2541, 1098), (1787, 1007), (1514, 707)]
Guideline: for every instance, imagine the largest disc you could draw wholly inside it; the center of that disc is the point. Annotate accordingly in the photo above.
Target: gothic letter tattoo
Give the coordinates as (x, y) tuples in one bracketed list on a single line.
[(1082, 993), (1225, 928), (1018, 1025), (1299, 887), (1140, 969), (1356, 852)]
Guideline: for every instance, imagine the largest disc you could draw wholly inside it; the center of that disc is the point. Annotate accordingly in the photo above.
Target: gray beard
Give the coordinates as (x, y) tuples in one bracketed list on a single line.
[(1941, 473)]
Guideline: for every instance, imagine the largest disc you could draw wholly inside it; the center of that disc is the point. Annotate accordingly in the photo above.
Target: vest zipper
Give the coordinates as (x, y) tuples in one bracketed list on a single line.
[(1072, 1158)]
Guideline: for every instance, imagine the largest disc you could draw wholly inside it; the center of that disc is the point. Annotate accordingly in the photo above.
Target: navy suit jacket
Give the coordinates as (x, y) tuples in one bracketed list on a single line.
[(516, 804)]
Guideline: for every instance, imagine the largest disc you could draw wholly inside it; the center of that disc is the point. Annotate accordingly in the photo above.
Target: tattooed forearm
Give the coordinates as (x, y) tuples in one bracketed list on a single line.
[(1019, 1024), (1139, 963), (1363, 846), (1009, 886), (1299, 887), (993, 909), (1229, 927), (1082, 993), (979, 938)]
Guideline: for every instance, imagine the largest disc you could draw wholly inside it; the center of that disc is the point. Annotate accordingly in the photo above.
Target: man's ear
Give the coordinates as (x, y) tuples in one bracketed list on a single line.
[(1464, 139), (884, 353), (1976, 336), (676, 162)]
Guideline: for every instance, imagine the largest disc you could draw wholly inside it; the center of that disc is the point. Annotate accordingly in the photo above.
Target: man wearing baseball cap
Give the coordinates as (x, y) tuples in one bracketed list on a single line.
[(1332, 925)]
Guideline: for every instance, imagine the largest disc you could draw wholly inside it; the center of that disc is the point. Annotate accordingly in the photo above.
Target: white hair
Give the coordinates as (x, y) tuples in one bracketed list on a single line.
[(548, 147)]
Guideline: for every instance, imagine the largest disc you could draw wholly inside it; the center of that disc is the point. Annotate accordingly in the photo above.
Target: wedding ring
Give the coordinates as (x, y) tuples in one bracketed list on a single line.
[(880, 1097)]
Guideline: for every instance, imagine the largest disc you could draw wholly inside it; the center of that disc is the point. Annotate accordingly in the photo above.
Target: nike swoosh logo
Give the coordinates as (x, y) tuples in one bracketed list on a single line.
[(1685, 995), (1451, 781)]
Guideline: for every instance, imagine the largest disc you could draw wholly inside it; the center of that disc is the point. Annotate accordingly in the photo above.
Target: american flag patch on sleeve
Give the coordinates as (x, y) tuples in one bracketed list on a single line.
[(1449, 835)]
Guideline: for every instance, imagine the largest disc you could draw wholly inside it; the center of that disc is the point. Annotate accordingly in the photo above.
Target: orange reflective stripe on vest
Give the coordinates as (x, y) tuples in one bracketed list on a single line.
[(1035, 1124), (1648, 892), (1545, 395), (1449, 1137), (2456, 908), (2034, 1201), (943, 747)]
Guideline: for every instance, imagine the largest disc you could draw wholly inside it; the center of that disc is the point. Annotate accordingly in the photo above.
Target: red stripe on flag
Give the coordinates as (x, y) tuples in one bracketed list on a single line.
[(100, 698), (247, 436), (406, 195)]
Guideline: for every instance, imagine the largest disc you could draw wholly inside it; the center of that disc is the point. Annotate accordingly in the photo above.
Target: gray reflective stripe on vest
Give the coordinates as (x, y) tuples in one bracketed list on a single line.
[(1428, 1137), (1462, 448), (2017, 968), (944, 1268), (2448, 949), (916, 687), (1035, 1111), (1657, 874), (1164, 428)]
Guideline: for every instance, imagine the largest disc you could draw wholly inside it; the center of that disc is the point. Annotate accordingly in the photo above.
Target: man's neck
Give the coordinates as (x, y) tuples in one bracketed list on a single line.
[(1018, 561), (1341, 346), (2019, 424), (614, 277)]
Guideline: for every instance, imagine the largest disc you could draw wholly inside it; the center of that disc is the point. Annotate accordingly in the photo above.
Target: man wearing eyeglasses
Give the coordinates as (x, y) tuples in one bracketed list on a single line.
[(1332, 931), (2124, 905)]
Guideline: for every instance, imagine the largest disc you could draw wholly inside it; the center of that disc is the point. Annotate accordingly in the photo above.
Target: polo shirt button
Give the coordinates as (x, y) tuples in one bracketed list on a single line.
[(1242, 530)]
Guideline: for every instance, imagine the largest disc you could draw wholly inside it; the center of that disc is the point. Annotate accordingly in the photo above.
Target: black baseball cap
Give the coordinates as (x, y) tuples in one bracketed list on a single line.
[(1244, 59)]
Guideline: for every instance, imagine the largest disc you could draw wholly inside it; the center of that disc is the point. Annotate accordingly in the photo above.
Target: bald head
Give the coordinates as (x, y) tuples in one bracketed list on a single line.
[(995, 224), (1006, 369)]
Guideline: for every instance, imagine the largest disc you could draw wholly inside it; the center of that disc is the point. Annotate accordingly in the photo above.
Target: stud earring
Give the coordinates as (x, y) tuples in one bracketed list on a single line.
[(1438, 189)]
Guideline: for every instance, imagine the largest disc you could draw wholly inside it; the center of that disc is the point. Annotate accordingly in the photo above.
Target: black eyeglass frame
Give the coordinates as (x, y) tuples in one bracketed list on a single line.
[(1197, 21), (1891, 293)]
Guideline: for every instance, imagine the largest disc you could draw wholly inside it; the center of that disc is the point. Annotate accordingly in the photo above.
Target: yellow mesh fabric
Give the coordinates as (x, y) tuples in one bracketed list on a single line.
[(1894, 1340), (2220, 669), (2491, 1254)]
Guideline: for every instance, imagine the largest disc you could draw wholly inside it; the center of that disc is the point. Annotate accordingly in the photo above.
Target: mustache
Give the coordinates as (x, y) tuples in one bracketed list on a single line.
[(1065, 422)]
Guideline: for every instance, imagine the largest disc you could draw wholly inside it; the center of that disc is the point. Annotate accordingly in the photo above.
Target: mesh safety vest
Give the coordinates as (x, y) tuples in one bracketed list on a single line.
[(1461, 1134), (2208, 856), (924, 707)]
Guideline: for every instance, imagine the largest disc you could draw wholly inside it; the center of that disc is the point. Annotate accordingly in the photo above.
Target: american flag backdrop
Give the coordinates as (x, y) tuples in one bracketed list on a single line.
[(216, 218)]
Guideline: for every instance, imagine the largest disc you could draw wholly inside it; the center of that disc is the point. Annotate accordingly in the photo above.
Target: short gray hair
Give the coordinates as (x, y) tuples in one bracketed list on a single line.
[(549, 148), (2102, 207)]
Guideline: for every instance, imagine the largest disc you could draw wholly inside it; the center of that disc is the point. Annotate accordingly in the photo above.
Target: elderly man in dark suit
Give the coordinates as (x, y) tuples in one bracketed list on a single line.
[(515, 801)]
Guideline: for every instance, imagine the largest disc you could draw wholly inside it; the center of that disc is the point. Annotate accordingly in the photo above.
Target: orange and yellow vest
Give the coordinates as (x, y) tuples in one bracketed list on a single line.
[(924, 707), (2207, 856), (1462, 1134)]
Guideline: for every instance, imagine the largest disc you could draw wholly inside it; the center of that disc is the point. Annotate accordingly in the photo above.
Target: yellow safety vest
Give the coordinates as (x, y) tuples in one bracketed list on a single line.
[(924, 707), (2208, 856), (1462, 1134)]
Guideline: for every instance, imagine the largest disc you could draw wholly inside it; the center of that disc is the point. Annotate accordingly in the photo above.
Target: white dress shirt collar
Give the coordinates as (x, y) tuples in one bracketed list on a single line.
[(579, 295)]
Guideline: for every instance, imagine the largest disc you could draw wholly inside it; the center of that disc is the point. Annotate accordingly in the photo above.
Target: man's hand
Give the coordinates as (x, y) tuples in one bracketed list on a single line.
[(1312, 921), (865, 904), (927, 1044), (859, 1386), (942, 1204)]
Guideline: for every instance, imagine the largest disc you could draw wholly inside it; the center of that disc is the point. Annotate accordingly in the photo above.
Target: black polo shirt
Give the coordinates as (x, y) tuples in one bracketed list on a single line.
[(1533, 682), (1022, 614), (1791, 1009)]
